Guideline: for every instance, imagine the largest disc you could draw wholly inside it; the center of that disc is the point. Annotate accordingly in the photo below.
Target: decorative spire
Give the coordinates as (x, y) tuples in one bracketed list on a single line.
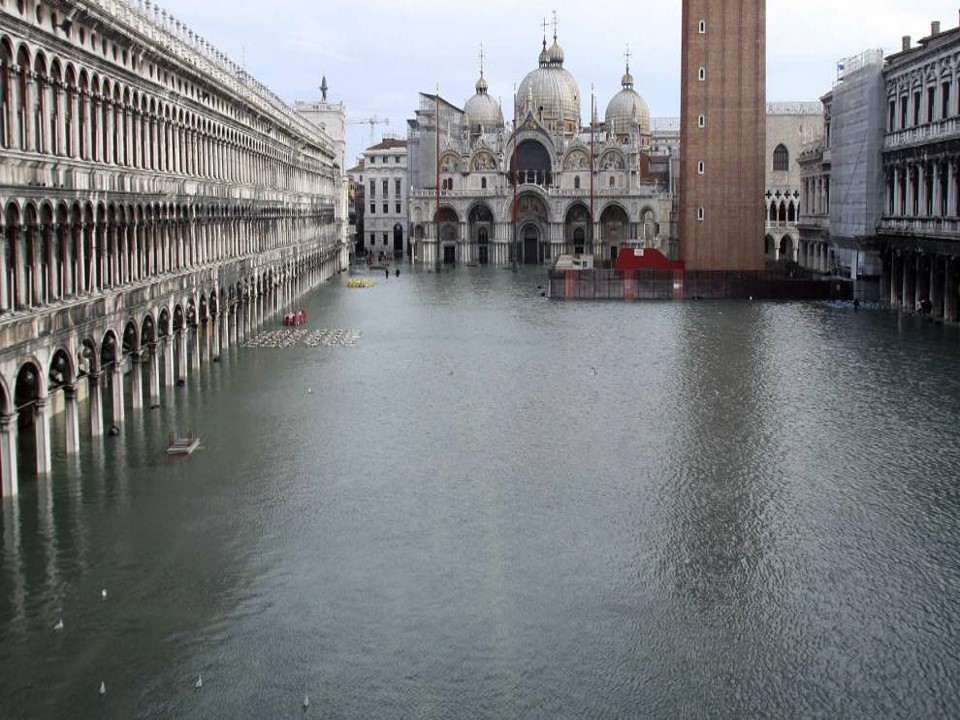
[(627, 80), (481, 82), (323, 88), (555, 23)]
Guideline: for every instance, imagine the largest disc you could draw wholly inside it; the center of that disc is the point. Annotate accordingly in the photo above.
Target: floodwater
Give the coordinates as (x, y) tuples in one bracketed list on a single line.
[(502, 506)]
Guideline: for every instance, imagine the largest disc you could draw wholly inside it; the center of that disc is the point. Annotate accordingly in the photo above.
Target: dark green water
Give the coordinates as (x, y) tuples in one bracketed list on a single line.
[(501, 506)]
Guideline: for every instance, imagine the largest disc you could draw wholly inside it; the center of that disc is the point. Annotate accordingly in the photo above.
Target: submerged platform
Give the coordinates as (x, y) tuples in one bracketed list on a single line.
[(182, 445)]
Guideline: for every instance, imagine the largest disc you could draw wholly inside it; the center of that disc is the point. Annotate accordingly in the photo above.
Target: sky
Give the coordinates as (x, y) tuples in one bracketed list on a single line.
[(378, 54)]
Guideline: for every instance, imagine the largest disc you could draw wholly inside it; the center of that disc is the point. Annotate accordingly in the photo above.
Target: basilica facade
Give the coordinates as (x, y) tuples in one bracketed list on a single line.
[(485, 191)]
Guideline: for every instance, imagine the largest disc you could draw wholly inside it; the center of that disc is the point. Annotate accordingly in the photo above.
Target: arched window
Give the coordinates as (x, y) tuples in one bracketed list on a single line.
[(781, 158), (483, 183), (576, 183)]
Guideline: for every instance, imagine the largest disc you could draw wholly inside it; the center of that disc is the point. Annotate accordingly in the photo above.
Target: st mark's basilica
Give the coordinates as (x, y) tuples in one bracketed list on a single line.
[(522, 191)]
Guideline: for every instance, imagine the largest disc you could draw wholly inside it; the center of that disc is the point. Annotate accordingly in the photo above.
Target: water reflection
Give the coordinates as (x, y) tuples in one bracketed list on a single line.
[(502, 506)]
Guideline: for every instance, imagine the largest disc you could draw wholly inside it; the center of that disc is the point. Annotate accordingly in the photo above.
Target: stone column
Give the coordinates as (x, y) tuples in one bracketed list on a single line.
[(117, 382), (96, 406), (895, 282), (154, 369), (195, 348), (41, 422), (168, 352), (8, 454), (72, 419), (136, 383), (181, 341), (31, 120), (950, 291), (921, 281), (936, 290), (219, 338)]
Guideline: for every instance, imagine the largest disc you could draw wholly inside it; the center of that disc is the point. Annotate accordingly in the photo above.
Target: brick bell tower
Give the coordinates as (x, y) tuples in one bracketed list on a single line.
[(722, 134)]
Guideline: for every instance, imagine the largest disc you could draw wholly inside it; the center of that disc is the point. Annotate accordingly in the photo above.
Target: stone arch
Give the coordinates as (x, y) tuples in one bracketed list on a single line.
[(533, 163), (576, 226), (614, 223), (61, 370), (131, 338)]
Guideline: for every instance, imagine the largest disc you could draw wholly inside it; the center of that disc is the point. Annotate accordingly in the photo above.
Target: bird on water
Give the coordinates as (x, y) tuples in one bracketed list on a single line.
[(103, 688), (199, 683), (59, 625)]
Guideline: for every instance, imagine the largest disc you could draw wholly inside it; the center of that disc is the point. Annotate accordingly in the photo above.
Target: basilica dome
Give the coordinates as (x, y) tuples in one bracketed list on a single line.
[(550, 92), (483, 111), (627, 112)]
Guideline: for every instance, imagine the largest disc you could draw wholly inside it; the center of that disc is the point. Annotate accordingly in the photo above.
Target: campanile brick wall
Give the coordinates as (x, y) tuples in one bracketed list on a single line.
[(723, 88)]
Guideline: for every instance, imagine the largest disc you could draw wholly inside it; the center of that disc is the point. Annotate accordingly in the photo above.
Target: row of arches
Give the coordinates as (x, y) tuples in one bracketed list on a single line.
[(59, 107), (782, 212), (122, 364), (53, 251)]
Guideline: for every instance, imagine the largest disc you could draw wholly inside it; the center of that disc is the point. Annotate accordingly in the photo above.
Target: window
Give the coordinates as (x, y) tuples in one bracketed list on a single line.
[(916, 108), (399, 211), (701, 121), (373, 239), (613, 181), (386, 208), (483, 183), (384, 239), (702, 74), (891, 121), (781, 159), (386, 187), (931, 104), (700, 168), (903, 112), (576, 183), (700, 213), (373, 208), (373, 189), (396, 185), (702, 27), (945, 101)]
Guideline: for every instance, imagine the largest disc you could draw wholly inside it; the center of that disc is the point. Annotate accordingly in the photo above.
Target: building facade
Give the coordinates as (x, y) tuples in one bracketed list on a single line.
[(787, 126), (157, 204), (385, 189), (722, 108), (880, 197), (919, 228), (541, 186)]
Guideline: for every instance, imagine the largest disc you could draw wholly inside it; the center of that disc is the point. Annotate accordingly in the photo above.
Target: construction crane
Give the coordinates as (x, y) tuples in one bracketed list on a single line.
[(372, 122)]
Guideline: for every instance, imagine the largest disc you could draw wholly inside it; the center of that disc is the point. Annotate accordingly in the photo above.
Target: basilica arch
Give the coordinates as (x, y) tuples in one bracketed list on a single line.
[(481, 229), (577, 234), (614, 228)]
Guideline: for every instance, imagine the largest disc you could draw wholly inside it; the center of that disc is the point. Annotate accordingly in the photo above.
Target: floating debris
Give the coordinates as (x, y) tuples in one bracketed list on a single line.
[(287, 338), (360, 283)]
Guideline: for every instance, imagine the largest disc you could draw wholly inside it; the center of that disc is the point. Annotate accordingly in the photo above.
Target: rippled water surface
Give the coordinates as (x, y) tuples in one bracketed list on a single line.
[(501, 506)]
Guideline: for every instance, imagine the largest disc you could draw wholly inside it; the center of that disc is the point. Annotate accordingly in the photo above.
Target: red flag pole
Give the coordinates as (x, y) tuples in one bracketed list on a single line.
[(515, 178), (593, 115), (437, 118)]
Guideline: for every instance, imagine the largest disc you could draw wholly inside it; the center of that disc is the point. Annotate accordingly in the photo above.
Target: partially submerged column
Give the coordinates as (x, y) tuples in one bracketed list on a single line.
[(41, 425), (136, 382), (117, 382), (72, 419), (154, 371), (96, 409), (8, 454), (168, 351), (181, 341)]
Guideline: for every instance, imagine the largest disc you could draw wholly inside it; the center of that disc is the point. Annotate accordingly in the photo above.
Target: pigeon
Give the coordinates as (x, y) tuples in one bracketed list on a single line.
[(103, 688), (199, 683), (306, 701), (59, 625)]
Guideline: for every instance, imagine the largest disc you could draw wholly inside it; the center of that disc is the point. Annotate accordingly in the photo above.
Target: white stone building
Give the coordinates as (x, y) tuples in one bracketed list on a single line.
[(541, 186), (385, 217), (158, 204), (788, 124)]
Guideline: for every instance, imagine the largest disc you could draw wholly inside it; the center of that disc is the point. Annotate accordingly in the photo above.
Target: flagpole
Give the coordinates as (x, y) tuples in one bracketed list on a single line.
[(437, 264), (593, 115), (515, 179)]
